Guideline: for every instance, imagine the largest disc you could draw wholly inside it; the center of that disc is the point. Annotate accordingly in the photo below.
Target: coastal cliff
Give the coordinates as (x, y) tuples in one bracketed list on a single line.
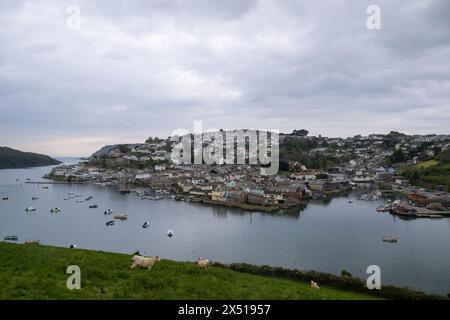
[(10, 158)]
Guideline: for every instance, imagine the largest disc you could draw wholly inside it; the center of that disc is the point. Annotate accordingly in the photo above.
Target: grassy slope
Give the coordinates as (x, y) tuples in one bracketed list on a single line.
[(429, 174), (38, 272)]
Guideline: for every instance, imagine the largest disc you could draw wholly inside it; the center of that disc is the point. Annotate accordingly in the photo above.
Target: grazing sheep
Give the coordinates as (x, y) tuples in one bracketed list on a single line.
[(139, 261), (203, 263), (314, 285)]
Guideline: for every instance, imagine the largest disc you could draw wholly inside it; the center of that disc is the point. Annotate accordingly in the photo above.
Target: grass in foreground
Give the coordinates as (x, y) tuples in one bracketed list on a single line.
[(39, 272)]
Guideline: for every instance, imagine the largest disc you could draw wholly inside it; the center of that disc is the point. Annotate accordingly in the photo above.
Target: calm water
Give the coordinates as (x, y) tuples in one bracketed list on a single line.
[(325, 237)]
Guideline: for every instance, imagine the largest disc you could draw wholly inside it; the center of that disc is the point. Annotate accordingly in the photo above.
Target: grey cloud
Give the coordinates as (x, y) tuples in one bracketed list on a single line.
[(139, 68)]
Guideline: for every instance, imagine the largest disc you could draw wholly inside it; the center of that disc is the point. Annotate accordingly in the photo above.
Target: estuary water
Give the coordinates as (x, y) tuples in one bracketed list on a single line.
[(341, 234)]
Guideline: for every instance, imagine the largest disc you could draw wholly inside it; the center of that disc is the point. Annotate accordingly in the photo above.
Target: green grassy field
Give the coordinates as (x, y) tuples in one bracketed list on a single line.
[(39, 272), (434, 172), (428, 164)]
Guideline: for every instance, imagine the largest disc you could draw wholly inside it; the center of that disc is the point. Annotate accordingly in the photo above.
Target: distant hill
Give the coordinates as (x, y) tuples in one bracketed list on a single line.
[(104, 151), (10, 158)]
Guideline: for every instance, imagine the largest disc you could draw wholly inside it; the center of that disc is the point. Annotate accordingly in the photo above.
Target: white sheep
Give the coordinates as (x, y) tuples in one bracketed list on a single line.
[(139, 261), (203, 263), (314, 285)]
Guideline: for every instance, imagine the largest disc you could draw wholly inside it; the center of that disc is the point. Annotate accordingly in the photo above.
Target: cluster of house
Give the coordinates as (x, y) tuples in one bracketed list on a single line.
[(150, 151), (232, 184), (227, 184)]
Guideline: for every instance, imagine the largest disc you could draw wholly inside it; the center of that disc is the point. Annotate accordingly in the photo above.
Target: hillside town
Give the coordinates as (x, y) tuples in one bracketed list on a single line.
[(311, 167)]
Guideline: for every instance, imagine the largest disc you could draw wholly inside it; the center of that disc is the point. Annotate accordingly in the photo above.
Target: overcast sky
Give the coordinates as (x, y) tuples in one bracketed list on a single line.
[(140, 68)]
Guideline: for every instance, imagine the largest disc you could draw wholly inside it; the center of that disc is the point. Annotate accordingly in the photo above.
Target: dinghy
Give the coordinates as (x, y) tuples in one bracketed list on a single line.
[(390, 239), (121, 217)]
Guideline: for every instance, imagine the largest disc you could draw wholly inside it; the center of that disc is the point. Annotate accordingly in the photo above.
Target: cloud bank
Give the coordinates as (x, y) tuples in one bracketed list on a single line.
[(137, 68)]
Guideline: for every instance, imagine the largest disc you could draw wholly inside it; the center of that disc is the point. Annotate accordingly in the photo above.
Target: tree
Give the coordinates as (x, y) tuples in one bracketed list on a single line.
[(300, 133), (123, 148), (398, 156)]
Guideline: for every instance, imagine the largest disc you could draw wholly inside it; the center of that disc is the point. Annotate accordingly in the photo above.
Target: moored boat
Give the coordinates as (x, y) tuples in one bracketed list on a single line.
[(30, 209), (121, 217), (124, 190), (11, 238), (390, 239)]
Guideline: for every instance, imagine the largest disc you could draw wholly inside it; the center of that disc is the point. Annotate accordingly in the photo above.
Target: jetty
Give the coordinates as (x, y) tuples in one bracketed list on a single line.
[(406, 210), (54, 182)]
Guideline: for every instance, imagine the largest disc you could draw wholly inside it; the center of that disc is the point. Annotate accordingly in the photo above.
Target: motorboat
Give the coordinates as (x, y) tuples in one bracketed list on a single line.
[(55, 210), (390, 239), (11, 238), (109, 211), (30, 209), (110, 223), (146, 225), (383, 208), (170, 233), (35, 198), (94, 206)]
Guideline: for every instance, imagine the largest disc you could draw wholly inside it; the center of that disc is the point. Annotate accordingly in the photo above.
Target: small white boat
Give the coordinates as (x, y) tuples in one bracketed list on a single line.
[(146, 225), (35, 198), (109, 211), (170, 233), (30, 209), (66, 198), (390, 239), (55, 210)]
